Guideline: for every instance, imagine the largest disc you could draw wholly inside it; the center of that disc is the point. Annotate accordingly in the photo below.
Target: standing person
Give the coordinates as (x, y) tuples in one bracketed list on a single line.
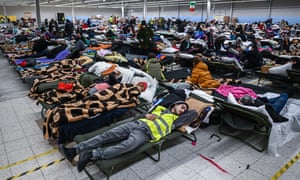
[(46, 22), (132, 24), (69, 29), (285, 45), (131, 135), (145, 35)]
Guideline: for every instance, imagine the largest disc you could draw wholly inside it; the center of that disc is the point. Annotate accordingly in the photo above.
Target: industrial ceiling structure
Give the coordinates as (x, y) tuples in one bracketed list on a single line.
[(115, 3)]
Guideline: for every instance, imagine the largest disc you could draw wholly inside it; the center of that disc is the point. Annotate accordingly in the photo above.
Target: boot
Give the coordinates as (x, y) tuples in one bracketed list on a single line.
[(84, 158), (69, 153)]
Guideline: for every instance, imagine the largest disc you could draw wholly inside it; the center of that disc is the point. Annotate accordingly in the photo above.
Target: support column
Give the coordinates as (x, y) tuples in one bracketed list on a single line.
[(202, 9), (145, 9), (208, 10), (159, 10), (270, 8), (178, 11), (231, 12), (38, 13), (122, 9), (73, 13)]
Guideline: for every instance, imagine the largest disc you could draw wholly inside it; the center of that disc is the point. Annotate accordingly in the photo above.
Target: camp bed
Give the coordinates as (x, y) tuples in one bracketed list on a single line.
[(109, 166)]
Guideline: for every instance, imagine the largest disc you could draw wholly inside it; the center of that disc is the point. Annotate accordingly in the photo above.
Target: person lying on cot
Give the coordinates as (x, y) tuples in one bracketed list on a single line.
[(272, 105), (130, 135)]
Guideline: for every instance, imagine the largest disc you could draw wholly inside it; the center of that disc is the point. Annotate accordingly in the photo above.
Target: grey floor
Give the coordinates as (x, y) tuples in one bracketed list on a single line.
[(22, 148)]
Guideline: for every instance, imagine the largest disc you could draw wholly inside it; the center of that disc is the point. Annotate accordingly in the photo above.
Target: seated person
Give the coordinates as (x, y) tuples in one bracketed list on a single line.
[(201, 75), (40, 48), (130, 135), (251, 57), (185, 45), (154, 68), (79, 46)]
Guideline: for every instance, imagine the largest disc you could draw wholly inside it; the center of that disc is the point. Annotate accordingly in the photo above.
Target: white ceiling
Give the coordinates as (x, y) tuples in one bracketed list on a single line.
[(111, 3)]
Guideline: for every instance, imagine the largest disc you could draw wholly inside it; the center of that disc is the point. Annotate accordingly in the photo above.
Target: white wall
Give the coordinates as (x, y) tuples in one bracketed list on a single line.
[(50, 12)]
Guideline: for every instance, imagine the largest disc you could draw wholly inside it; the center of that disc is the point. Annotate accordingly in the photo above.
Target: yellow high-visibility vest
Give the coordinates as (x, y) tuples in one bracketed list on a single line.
[(162, 125)]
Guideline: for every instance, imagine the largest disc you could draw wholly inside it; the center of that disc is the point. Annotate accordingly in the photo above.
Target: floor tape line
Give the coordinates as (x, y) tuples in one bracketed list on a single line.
[(36, 169), (285, 167), (29, 159)]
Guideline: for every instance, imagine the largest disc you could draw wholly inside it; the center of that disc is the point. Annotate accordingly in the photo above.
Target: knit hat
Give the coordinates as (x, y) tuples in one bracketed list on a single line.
[(247, 100), (143, 22), (143, 84)]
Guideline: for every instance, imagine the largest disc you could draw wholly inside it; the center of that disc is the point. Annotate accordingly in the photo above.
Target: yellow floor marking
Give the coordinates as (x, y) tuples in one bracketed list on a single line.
[(29, 159)]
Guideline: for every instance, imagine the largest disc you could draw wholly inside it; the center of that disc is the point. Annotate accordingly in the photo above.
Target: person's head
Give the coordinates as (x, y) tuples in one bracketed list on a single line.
[(179, 107), (151, 55), (198, 58), (143, 24), (188, 36), (247, 100)]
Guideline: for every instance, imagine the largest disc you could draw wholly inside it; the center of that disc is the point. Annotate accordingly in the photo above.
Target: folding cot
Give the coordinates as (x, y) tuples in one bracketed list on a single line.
[(236, 120), (109, 166), (292, 77)]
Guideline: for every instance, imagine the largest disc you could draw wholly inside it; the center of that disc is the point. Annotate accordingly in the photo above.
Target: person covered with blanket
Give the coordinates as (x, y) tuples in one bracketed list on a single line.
[(131, 135), (272, 105)]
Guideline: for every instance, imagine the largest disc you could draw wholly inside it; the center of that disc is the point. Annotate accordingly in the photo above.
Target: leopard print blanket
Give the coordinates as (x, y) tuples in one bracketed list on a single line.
[(117, 96)]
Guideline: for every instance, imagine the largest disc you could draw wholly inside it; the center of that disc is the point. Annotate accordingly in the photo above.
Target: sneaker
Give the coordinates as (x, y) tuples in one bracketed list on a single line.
[(190, 129), (84, 158), (290, 91), (204, 115)]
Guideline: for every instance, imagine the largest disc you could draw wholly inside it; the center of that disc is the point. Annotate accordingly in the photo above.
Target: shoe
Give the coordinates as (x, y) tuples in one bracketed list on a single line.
[(204, 115), (290, 91), (69, 153), (84, 158)]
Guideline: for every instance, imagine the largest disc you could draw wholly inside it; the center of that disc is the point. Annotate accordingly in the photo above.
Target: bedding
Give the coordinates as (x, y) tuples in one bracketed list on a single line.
[(130, 75)]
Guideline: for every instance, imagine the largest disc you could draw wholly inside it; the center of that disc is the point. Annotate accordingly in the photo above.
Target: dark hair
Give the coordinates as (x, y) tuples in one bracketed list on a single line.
[(247, 100), (179, 102)]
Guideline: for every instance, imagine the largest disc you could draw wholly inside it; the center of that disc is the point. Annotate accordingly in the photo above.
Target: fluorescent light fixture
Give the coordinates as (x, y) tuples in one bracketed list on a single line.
[(50, 1)]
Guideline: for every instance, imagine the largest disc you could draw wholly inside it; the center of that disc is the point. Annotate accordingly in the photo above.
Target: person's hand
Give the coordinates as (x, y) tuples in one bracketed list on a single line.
[(150, 116)]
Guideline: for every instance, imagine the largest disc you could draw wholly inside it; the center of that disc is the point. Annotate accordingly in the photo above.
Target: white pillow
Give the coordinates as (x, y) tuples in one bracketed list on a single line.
[(281, 70), (169, 50), (152, 84), (186, 56)]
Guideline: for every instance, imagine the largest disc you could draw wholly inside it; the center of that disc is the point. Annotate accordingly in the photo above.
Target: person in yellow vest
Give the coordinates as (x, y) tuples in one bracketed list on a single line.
[(130, 135), (110, 20)]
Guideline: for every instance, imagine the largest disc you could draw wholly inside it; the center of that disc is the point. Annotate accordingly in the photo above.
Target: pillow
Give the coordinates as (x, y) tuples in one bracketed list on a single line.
[(195, 104), (203, 94), (281, 70), (152, 84), (201, 108), (186, 56), (169, 50)]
